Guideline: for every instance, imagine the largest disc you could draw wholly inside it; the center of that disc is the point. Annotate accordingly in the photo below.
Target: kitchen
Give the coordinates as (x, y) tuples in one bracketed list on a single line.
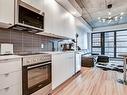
[(63, 47), (35, 54)]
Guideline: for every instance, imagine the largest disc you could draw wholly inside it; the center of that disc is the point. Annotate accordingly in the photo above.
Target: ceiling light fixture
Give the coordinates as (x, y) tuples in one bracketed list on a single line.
[(111, 18)]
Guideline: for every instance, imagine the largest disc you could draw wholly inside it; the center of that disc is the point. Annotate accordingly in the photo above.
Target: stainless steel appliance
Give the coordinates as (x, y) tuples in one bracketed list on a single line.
[(6, 48), (28, 18), (36, 74)]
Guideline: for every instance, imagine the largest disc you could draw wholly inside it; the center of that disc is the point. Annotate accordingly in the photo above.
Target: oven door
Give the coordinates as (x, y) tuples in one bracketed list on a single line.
[(36, 77)]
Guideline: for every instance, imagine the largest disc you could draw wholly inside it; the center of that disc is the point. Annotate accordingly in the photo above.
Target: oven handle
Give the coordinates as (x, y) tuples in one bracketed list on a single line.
[(38, 65)]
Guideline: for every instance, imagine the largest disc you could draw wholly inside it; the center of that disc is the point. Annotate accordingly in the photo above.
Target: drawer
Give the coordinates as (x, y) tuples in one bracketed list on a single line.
[(12, 90), (6, 80), (7, 66)]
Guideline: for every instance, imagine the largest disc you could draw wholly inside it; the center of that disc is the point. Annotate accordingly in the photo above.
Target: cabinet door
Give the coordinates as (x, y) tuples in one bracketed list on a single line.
[(7, 12), (70, 65), (58, 70), (69, 25), (35, 3)]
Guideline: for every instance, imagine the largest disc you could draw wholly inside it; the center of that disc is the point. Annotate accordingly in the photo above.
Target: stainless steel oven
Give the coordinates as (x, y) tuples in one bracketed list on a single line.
[(36, 75)]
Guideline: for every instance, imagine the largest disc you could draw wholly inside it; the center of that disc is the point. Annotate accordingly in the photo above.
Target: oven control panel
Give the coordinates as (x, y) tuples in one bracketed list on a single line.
[(33, 59)]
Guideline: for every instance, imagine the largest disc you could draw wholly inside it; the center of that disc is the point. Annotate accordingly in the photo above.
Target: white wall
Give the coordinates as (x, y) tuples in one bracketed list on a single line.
[(83, 32), (59, 21)]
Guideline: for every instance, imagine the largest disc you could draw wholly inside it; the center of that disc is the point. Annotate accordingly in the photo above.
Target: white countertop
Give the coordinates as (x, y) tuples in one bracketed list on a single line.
[(59, 52), (4, 57)]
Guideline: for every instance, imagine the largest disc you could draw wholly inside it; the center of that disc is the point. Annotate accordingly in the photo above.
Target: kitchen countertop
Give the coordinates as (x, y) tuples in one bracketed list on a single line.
[(4, 57), (58, 52)]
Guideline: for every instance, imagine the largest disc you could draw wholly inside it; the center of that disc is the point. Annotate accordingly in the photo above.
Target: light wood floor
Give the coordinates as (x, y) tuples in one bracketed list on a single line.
[(93, 81)]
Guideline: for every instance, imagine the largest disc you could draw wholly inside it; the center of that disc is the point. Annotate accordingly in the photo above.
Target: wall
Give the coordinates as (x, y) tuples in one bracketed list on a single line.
[(25, 41), (60, 21), (83, 39), (83, 32)]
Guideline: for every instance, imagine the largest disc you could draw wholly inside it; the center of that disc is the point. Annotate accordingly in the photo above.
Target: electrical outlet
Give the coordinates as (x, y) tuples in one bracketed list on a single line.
[(42, 46)]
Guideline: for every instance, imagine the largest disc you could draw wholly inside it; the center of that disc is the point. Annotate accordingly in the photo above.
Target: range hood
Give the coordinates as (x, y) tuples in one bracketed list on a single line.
[(28, 18), (21, 16)]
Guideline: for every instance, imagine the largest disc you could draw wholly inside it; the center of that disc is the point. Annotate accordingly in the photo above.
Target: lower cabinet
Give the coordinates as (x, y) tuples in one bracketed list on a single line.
[(11, 90), (10, 77), (63, 67)]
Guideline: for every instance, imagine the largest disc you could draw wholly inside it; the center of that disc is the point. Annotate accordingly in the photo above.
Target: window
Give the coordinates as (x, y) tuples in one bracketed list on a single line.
[(121, 42), (110, 43), (96, 43)]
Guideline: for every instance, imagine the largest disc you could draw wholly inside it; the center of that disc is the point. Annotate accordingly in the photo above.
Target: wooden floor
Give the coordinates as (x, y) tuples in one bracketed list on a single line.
[(93, 81)]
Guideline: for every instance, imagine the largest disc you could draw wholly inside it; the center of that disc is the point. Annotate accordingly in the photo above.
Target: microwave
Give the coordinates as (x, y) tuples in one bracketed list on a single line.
[(28, 18)]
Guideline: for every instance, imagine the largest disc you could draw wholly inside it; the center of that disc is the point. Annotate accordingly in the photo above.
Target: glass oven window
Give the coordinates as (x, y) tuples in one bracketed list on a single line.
[(37, 75)]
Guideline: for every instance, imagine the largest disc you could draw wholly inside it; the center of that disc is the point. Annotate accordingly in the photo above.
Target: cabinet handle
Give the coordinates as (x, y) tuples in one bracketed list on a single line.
[(6, 74), (7, 88)]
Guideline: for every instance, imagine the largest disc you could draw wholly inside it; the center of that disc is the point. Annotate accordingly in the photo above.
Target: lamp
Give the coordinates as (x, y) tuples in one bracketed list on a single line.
[(111, 18)]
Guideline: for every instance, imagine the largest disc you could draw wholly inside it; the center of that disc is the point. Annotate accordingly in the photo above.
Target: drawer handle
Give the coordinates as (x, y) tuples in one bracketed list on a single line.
[(7, 88), (6, 74)]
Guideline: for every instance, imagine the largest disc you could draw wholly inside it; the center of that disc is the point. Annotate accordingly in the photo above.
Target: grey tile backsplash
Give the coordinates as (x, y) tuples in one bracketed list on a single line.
[(25, 41)]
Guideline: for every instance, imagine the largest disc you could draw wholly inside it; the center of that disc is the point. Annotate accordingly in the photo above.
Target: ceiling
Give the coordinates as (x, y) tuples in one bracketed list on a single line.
[(92, 9)]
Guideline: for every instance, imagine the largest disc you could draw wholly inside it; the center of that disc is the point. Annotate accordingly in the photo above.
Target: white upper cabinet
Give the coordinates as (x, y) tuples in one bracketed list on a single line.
[(8, 10), (57, 20), (6, 13), (38, 4)]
